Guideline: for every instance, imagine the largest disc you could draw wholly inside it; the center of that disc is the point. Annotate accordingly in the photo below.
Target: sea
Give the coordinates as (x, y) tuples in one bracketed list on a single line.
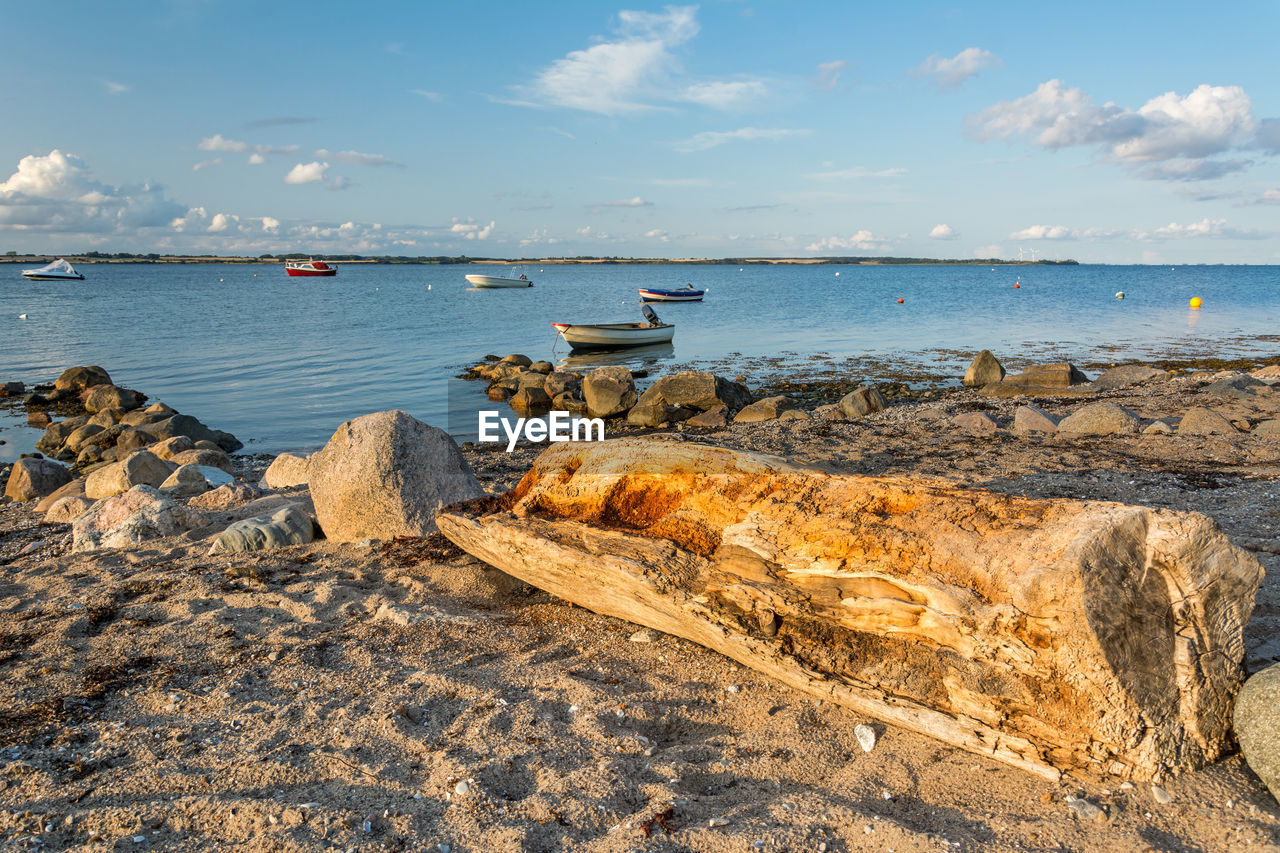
[(280, 362)]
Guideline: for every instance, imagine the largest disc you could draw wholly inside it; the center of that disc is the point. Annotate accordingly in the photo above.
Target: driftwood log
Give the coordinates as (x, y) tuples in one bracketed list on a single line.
[(1049, 634)]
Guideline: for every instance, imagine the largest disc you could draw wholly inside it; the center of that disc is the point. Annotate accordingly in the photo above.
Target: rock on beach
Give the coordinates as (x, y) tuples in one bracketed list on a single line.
[(384, 475)]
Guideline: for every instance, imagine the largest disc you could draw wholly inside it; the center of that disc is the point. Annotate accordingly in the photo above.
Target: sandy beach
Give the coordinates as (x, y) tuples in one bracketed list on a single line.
[(401, 694)]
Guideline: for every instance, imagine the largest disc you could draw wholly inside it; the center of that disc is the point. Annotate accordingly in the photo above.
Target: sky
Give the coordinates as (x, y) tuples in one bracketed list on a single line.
[(1134, 132)]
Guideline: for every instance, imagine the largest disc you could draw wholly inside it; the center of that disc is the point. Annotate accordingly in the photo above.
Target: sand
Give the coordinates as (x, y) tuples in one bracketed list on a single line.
[(403, 695)]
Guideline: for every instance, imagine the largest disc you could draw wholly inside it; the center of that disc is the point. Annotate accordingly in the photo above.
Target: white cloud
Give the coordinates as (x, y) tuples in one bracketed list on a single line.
[(1045, 232), (634, 71), (204, 164), (191, 217), (943, 231), (472, 231), (218, 142), (711, 139), (681, 182), (356, 158), (55, 193), (1206, 228), (636, 201), (433, 97), (1270, 197), (222, 222), (114, 88), (659, 235), (307, 173), (1170, 137), (270, 224), (617, 77), (859, 172), (992, 251), (949, 73), (862, 240), (829, 74), (724, 95)]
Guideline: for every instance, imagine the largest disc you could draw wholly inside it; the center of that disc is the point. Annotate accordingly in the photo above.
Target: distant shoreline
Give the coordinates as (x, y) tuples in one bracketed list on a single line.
[(445, 260)]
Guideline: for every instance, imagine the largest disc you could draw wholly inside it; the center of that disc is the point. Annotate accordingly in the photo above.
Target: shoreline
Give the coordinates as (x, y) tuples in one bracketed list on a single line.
[(401, 692)]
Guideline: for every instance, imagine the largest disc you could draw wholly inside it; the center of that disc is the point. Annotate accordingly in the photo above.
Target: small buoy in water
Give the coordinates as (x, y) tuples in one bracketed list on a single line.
[(22, 316), (1195, 302), (1018, 285), (428, 287), (837, 273), (1119, 294), (901, 300), (255, 275), (219, 280)]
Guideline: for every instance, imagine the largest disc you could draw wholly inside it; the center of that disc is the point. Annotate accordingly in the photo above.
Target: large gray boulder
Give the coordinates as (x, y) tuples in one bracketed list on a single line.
[(1241, 386), (286, 471), (1201, 421), (1060, 375), (608, 391), (561, 381), (287, 526), (32, 478), (194, 430), (658, 414), (1129, 374), (56, 435), (983, 370), (141, 468), (79, 378), (696, 390), (1099, 419), (385, 475), (1030, 419), (1257, 723), (862, 401), (767, 409), (104, 397), (128, 519)]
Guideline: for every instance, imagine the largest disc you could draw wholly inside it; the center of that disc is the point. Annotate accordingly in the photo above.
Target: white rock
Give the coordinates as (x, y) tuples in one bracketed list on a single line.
[(1084, 809), (1160, 795), (462, 787), (866, 736), (644, 635)]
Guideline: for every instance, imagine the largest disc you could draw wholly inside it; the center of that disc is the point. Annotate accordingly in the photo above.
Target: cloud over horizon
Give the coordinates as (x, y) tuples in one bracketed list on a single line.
[(1170, 137), (950, 73)]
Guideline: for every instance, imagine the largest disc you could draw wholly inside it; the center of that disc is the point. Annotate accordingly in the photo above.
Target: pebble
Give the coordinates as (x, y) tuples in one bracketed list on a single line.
[(1160, 795), (443, 848), (1084, 809), (717, 821), (462, 787), (1127, 786), (866, 736), (733, 688), (644, 635), (139, 839)]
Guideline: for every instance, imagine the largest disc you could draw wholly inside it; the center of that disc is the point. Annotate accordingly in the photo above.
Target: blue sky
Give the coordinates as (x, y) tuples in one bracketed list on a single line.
[(1105, 132)]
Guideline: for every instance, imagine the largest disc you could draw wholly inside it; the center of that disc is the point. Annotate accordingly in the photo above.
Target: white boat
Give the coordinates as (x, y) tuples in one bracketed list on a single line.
[(617, 335), (498, 281), (59, 270)]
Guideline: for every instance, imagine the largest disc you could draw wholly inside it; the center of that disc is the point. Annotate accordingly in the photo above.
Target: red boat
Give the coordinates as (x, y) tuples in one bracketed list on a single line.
[(309, 267)]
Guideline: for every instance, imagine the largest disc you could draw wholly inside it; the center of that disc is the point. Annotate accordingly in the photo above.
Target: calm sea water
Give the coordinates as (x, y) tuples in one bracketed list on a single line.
[(280, 361)]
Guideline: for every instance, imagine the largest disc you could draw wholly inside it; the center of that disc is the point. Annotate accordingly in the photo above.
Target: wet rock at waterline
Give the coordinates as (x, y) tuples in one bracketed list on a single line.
[(696, 390), (983, 370), (608, 391)]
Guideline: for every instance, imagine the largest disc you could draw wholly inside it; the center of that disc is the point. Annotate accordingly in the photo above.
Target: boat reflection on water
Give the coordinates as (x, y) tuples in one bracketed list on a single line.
[(641, 357)]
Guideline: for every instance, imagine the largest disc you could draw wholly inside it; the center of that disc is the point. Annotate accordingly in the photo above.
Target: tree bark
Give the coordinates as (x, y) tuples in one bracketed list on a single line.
[(1048, 634)]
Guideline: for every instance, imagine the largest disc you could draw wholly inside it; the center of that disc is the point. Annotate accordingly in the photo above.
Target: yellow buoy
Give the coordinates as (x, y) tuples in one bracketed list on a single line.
[(1195, 302)]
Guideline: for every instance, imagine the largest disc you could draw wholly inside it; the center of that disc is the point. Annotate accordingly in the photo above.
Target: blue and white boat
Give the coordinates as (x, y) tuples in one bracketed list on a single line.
[(684, 294)]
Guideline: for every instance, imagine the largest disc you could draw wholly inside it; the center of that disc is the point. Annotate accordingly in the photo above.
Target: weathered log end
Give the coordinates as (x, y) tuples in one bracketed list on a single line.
[(1050, 634)]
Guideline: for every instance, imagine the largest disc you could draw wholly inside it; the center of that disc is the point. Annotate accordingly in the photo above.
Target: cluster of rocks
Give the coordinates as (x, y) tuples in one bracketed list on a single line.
[(1108, 418), (693, 398)]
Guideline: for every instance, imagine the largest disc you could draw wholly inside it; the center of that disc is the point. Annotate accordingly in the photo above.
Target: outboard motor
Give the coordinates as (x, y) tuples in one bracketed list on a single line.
[(650, 315)]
